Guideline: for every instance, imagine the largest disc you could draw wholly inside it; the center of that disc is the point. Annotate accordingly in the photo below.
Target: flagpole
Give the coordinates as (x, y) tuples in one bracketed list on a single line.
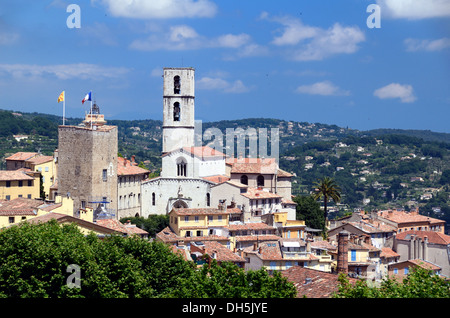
[(91, 108), (64, 108)]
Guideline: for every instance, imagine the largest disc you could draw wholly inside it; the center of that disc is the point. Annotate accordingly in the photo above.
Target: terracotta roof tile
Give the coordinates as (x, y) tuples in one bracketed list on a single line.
[(313, 283), (400, 217), (217, 179), (39, 160), (126, 167), (10, 175), (433, 237), (253, 165), (20, 206), (253, 193), (22, 156)]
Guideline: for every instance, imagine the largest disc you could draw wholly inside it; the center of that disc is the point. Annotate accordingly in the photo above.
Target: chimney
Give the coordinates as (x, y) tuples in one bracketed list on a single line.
[(411, 248), (425, 248), (342, 261), (125, 161), (133, 158)]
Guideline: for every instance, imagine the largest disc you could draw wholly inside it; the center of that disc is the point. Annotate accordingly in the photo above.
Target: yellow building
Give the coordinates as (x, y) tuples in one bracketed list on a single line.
[(192, 222), (23, 209), (45, 165), (18, 184)]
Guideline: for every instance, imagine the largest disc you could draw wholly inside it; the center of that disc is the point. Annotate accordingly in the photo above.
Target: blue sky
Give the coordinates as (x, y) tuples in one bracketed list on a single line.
[(312, 61)]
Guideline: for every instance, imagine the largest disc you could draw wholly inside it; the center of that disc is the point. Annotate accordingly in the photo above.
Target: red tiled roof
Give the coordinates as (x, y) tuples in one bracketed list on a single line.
[(201, 211), (126, 167), (256, 238), (204, 152), (168, 236), (22, 156), (253, 193), (387, 252), (250, 226), (118, 226), (10, 175), (40, 160), (19, 206), (400, 217), (253, 165), (222, 253), (433, 237), (320, 284), (217, 179)]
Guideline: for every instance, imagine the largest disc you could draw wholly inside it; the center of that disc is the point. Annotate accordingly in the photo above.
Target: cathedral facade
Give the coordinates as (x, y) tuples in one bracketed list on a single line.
[(195, 176)]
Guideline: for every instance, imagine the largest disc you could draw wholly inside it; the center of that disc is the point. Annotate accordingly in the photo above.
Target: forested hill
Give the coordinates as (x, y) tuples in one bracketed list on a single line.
[(376, 168)]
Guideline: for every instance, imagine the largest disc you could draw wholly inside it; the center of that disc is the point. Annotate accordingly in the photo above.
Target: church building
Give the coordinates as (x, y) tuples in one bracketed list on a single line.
[(184, 166)]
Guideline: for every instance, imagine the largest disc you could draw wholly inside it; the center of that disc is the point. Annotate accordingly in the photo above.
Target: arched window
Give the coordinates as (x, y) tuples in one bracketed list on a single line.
[(153, 198), (244, 179), (176, 85), (208, 199), (181, 167), (176, 111), (260, 181)]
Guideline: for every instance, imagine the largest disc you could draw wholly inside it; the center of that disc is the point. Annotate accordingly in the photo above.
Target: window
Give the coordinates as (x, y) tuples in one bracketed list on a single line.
[(30, 183), (244, 179), (176, 111), (208, 199), (288, 264), (353, 255), (219, 218), (11, 219), (188, 233), (29, 196), (83, 204), (396, 271), (406, 271), (181, 168), (46, 169), (196, 219), (260, 181), (199, 233), (8, 197), (153, 198), (105, 174), (186, 218), (176, 85), (8, 184), (273, 265), (20, 183), (210, 218)]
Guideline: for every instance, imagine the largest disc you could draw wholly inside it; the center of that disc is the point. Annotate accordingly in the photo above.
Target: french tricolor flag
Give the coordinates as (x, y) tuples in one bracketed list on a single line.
[(87, 97)]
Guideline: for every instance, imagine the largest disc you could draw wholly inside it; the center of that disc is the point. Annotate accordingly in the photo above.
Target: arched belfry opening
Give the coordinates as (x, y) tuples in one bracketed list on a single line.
[(176, 85), (176, 111)]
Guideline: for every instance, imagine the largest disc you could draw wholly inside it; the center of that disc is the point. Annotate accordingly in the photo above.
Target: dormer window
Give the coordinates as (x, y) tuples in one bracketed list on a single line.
[(176, 111), (176, 85)]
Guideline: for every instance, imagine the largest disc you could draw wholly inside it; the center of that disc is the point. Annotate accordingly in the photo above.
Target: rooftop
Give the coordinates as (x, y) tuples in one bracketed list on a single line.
[(253, 165), (433, 237), (313, 283), (22, 156), (400, 217), (10, 175)]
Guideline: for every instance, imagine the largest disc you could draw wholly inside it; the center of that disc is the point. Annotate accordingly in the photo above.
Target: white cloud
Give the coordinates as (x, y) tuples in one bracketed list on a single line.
[(313, 43), (325, 88), (210, 83), (160, 9), (63, 71), (413, 45), (395, 90), (414, 9), (184, 37)]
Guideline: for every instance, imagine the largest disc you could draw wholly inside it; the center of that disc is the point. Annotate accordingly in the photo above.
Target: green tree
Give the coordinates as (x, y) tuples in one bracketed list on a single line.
[(308, 209), (34, 260), (327, 189), (420, 283)]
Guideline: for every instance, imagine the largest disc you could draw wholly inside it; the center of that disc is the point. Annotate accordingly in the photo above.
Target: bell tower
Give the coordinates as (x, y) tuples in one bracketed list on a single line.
[(178, 111)]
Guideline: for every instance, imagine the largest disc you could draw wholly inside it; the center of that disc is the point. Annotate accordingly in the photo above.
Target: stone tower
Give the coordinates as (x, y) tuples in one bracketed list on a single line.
[(178, 109), (87, 164)]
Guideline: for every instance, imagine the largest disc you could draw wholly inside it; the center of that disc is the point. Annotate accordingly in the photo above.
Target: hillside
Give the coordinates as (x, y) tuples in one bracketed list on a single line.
[(375, 169)]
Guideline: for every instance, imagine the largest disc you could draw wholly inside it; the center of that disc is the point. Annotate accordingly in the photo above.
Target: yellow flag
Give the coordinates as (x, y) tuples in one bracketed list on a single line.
[(61, 97)]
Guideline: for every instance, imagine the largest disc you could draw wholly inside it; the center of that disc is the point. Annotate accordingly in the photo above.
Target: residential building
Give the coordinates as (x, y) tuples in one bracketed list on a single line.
[(280, 255), (130, 177), (243, 235), (405, 221), (17, 160), (400, 270), (202, 252), (19, 184), (312, 283), (429, 246)]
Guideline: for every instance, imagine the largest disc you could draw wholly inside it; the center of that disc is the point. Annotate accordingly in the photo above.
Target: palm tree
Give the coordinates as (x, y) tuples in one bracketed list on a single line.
[(327, 189)]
